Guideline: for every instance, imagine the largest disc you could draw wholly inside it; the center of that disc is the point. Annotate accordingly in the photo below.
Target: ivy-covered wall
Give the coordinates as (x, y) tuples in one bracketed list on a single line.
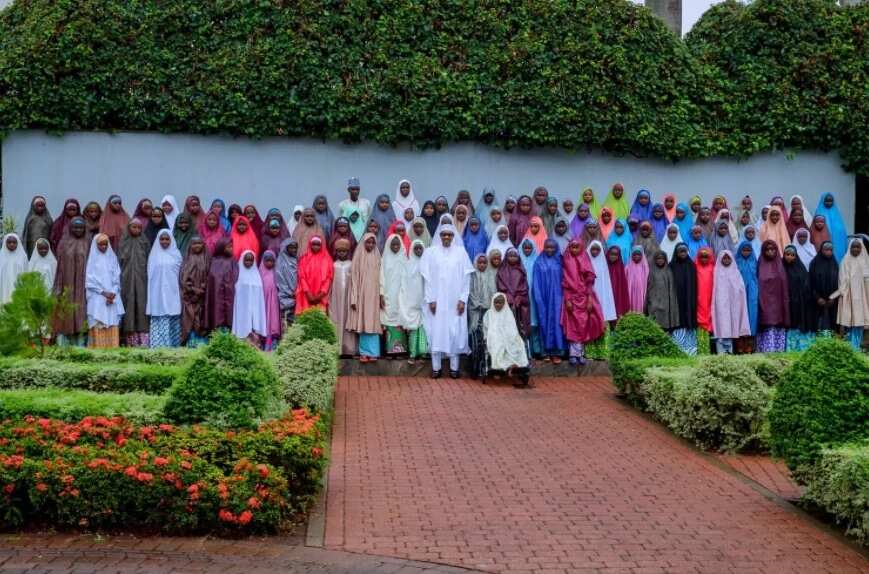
[(527, 73)]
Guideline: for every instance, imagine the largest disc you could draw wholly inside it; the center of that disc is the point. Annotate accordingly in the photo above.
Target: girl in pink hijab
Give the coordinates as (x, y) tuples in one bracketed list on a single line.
[(273, 307), (729, 304), (637, 273)]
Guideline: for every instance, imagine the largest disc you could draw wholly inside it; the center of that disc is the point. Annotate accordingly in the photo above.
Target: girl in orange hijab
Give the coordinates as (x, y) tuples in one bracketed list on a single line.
[(705, 265), (775, 229), (316, 270), (536, 233)]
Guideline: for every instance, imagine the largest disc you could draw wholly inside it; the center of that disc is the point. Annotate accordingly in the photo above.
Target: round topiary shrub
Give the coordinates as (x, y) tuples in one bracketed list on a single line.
[(317, 326), (822, 400), (229, 384), (307, 372), (635, 337)]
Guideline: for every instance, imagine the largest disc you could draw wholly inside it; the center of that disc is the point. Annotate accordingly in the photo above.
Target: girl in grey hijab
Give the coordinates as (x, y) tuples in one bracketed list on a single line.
[(287, 277)]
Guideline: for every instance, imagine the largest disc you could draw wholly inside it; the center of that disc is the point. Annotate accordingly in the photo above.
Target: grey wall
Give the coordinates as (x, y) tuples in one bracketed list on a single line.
[(283, 172)]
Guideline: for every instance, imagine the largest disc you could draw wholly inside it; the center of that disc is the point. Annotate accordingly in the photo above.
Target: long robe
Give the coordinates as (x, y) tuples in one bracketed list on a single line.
[(512, 281), (503, 340), (801, 305), (314, 277), (773, 290), (637, 275), (729, 309), (685, 280), (854, 289), (194, 285), (662, 303), (393, 266), (447, 275), (602, 285), (824, 281), (72, 254), (412, 292), (103, 274), (748, 270), (287, 278), (133, 257), (220, 292), (12, 264), (580, 324), (339, 306), (705, 286), (365, 290), (45, 266), (619, 283), (835, 226), (113, 223), (483, 286), (548, 295), (35, 226)]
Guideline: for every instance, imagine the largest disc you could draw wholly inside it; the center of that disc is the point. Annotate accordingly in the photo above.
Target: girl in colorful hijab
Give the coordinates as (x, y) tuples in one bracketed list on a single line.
[(616, 201), (642, 207), (659, 221), (729, 304), (243, 238), (72, 256), (500, 241), (637, 275), (549, 215), (561, 234), (475, 239), (249, 308), (193, 206), (646, 238), (618, 280), (581, 315), (383, 214), (546, 296), (419, 232), (272, 303), (536, 233), (696, 241), (103, 284), (164, 293), (607, 221), (746, 262), (219, 207), (512, 281), (528, 254), (683, 220), (672, 238), (583, 216), (194, 282), (183, 232), (488, 201), (775, 229), (819, 232), (705, 266), (621, 237), (316, 270), (588, 198), (797, 202), (670, 206), (308, 228), (721, 240), (725, 216), (287, 278), (835, 224), (520, 220), (59, 228), (602, 284), (342, 230), (773, 302), (324, 216), (211, 231)]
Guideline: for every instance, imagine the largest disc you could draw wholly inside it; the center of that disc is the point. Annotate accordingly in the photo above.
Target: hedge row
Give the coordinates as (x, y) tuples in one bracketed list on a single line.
[(105, 473), (70, 405), (839, 483), (162, 356), (306, 362), (96, 376), (568, 73)]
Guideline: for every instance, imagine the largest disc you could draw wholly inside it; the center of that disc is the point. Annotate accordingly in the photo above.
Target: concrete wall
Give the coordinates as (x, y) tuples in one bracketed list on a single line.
[(283, 172)]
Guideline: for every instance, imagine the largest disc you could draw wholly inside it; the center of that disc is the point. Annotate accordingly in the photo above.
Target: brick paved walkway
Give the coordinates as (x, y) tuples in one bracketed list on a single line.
[(561, 478)]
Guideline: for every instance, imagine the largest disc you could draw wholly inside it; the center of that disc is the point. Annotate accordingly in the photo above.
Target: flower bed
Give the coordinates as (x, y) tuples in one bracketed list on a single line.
[(108, 473)]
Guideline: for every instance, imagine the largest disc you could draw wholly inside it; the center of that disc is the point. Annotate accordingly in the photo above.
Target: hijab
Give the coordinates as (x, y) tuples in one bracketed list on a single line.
[(36, 226), (594, 206), (602, 283), (695, 245), (220, 292), (45, 266), (365, 290), (133, 255), (649, 244), (619, 282), (640, 212), (619, 207), (199, 217), (490, 224), (807, 215), (151, 229), (270, 296), (218, 206), (431, 221), (287, 273), (776, 232), (729, 305), (482, 209), (801, 305), (519, 222), (475, 243), (670, 213), (512, 280), (292, 223), (182, 238), (822, 236), (835, 226), (705, 279), (504, 343), (686, 223), (748, 271), (326, 219), (577, 280), (731, 225), (12, 264), (540, 238), (792, 225), (102, 273), (61, 224), (338, 235), (384, 218), (805, 251), (193, 279), (393, 266), (315, 274), (459, 225), (685, 281), (249, 306), (164, 268), (824, 274), (659, 224), (605, 228), (623, 241), (561, 240), (400, 203), (528, 262), (662, 303), (718, 242), (256, 222), (112, 223), (425, 238), (854, 288), (304, 232), (497, 244), (637, 276), (668, 246), (577, 226), (755, 243), (773, 289), (170, 217), (548, 218), (411, 294), (211, 236), (246, 241)]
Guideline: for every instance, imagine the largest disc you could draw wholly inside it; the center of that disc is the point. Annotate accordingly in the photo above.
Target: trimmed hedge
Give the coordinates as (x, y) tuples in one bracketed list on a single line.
[(123, 355), (103, 473), (316, 325), (839, 483), (822, 401), (96, 376), (572, 74), (636, 337), (308, 373), (71, 405)]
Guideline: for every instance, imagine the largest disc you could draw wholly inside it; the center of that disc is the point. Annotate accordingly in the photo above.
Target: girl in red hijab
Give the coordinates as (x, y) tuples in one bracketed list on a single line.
[(705, 266), (243, 238), (581, 315), (316, 269)]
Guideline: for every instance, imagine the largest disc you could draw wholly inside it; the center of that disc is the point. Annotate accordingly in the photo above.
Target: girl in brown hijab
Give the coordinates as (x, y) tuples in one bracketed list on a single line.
[(72, 253), (114, 220), (773, 300), (93, 214), (512, 281), (220, 289), (365, 301), (307, 228), (37, 224), (194, 283), (133, 256)]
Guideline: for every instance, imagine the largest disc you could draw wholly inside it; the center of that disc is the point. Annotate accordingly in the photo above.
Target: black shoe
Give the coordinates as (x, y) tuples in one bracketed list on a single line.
[(436, 374), (455, 374)]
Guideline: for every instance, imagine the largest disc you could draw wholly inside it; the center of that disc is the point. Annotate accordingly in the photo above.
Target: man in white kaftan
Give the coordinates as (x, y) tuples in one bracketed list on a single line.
[(446, 271)]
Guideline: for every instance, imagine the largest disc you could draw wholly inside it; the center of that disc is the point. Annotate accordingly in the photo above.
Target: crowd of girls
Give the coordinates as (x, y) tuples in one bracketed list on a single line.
[(742, 276)]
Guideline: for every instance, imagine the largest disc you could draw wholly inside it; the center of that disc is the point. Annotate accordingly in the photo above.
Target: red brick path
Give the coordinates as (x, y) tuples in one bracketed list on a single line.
[(562, 478)]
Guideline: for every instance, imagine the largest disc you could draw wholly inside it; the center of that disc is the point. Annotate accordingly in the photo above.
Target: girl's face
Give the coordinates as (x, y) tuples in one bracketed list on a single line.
[(197, 247), (342, 227), (717, 204), (297, 215), (92, 212), (750, 233), (695, 206), (211, 220), (157, 216), (549, 249), (618, 192), (595, 250), (669, 202), (194, 206), (428, 210), (764, 213), (292, 249), (341, 253), (828, 201), (619, 228), (513, 259), (165, 242), (747, 203), (527, 249), (551, 208), (682, 253), (400, 230), (789, 256), (274, 230), (474, 225), (525, 206), (643, 199), (613, 255), (567, 206), (633, 224), (724, 215), (680, 213), (582, 212), (404, 189), (606, 216), (383, 204), (488, 198), (42, 248), (745, 219), (147, 206), (636, 257), (705, 215), (499, 302), (645, 231), (769, 251), (12, 243), (560, 228), (481, 263), (795, 203), (418, 249), (269, 262), (495, 215), (228, 249), (418, 228), (248, 260), (183, 224), (370, 244), (819, 223), (441, 205), (588, 196), (373, 227), (510, 205), (592, 229), (408, 214), (167, 207), (461, 215), (540, 195), (71, 210), (722, 229), (102, 245), (316, 246), (503, 234), (320, 205), (658, 213), (827, 251), (309, 218), (672, 232), (535, 227), (746, 251), (495, 260), (574, 249), (395, 245), (797, 216), (696, 233), (115, 204), (250, 212), (660, 260), (704, 257), (802, 238), (856, 249), (774, 216), (726, 260), (242, 226)]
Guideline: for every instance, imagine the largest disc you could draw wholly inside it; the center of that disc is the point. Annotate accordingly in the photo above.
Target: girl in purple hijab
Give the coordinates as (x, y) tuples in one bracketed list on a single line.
[(273, 307), (773, 300), (642, 208), (659, 221), (583, 215)]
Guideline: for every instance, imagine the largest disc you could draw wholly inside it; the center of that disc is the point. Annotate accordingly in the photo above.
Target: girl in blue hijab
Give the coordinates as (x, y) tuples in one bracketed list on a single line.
[(746, 261), (528, 256), (838, 234), (684, 218), (622, 238), (475, 238), (659, 221), (219, 207), (695, 243), (642, 208)]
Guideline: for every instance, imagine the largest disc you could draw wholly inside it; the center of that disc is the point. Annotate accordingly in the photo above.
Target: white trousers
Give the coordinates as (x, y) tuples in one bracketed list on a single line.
[(437, 360)]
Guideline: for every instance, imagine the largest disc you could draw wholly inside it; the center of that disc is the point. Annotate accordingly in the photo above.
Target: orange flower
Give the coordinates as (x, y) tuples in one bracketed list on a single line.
[(41, 487), (131, 471), (253, 502), (263, 470), (245, 517), (160, 461)]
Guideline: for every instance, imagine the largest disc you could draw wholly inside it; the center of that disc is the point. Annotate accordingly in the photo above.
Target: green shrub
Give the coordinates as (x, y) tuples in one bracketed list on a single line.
[(228, 384), (662, 389), (823, 400), (102, 473), (635, 337), (97, 376), (839, 483), (632, 373), (163, 356), (307, 372), (770, 367), (69, 405), (316, 326), (26, 320)]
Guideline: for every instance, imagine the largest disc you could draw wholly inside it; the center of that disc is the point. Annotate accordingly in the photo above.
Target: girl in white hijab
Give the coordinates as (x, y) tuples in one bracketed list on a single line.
[(171, 212), (853, 292), (249, 308), (504, 344), (669, 242), (731, 224), (393, 267), (410, 300), (42, 261), (805, 249), (13, 262), (402, 202), (164, 291), (602, 284), (502, 245), (292, 221), (103, 291)]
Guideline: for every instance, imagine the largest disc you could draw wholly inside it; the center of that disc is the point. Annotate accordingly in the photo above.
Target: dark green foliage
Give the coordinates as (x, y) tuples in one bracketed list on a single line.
[(228, 384), (823, 400), (316, 326), (101, 377), (73, 405), (631, 374), (25, 322), (839, 483), (635, 337), (122, 355)]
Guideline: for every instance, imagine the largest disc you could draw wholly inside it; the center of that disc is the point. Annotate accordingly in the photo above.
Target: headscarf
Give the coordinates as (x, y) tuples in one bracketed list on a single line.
[(801, 305), (729, 307), (686, 223), (820, 237), (338, 235), (182, 238), (776, 232), (194, 283), (170, 217), (113, 224), (489, 224), (606, 228), (241, 242), (649, 244), (152, 229), (512, 281), (577, 226), (139, 212), (292, 222), (45, 266), (61, 224), (384, 219), (594, 205), (623, 241), (304, 232), (563, 240), (431, 221), (708, 227), (483, 286), (835, 225), (102, 274), (496, 244), (642, 213), (547, 218), (619, 207), (463, 197), (365, 290), (668, 246), (824, 280), (316, 271), (92, 225), (659, 224), (164, 268), (588, 235), (425, 238), (519, 222), (405, 239), (475, 243), (807, 215), (695, 245), (326, 219), (249, 306), (619, 282), (578, 278), (528, 263), (482, 208), (504, 344), (393, 266), (637, 276), (602, 284), (721, 243), (211, 236), (411, 294), (541, 236), (12, 264), (133, 255), (36, 226), (805, 251), (753, 217), (705, 278), (274, 214), (221, 214), (199, 217), (755, 243), (685, 281), (748, 271), (731, 225), (792, 225), (461, 225), (220, 292), (670, 213), (270, 296), (773, 289), (854, 288), (547, 296), (662, 303), (400, 203), (256, 222), (287, 276), (715, 210)]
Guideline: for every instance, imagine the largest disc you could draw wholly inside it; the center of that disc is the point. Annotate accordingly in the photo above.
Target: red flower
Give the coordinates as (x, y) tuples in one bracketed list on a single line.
[(9, 488), (144, 477), (316, 452), (132, 471), (245, 517), (253, 502), (193, 488), (120, 440), (225, 515), (41, 487), (160, 461), (186, 465), (166, 427), (263, 470)]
